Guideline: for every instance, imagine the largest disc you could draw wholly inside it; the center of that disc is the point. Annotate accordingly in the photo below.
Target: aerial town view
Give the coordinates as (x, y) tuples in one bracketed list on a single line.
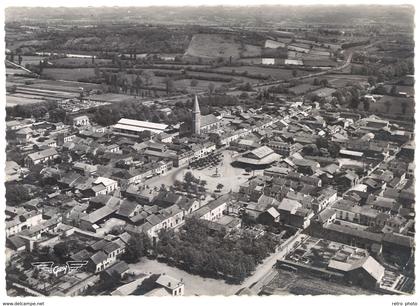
[(201, 151)]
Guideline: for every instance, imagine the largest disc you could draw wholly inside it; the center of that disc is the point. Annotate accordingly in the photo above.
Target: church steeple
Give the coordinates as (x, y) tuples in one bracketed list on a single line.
[(196, 120)]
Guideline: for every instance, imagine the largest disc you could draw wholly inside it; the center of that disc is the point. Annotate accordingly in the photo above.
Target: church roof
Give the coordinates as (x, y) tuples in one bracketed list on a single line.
[(208, 119)]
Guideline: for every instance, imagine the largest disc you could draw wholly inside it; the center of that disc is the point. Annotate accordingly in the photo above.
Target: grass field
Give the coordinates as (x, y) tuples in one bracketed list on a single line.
[(21, 99), (31, 59), (201, 85), (395, 105), (214, 46), (72, 74), (71, 86), (78, 61), (342, 80), (275, 73)]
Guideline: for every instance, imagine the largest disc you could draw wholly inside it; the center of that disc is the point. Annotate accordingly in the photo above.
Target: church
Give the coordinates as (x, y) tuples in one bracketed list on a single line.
[(199, 124)]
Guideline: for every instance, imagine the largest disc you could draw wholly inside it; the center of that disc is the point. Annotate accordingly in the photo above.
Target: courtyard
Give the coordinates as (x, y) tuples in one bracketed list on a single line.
[(222, 173)]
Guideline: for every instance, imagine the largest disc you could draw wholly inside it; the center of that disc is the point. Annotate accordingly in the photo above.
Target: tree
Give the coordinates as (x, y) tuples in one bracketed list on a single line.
[(211, 87), (189, 178), (219, 186), (366, 105), (148, 78), (169, 83), (324, 82), (394, 90), (16, 194), (333, 149), (354, 103), (57, 115), (97, 72), (137, 247), (387, 105), (193, 83), (294, 73), (372, 81), (404, 106), (62, 250)]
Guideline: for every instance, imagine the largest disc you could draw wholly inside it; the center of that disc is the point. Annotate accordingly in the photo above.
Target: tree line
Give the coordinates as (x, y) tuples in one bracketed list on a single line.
[(200, 250)]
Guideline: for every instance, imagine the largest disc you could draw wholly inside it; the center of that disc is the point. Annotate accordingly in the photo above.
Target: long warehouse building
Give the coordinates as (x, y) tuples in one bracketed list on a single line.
[(134, 128)]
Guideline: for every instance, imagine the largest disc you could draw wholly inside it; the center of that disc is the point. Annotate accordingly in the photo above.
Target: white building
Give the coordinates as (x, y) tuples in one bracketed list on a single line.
[(268, 61), (134, 128)]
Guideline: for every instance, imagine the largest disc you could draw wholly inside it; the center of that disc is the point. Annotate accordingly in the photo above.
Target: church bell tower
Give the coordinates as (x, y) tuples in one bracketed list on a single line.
[(196, 119)]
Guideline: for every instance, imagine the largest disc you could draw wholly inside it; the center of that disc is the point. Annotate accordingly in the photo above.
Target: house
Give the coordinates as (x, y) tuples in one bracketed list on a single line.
[(16, 243), (23, 135), (103, 185), (128, 210), (21, 220), (346, 181), (167, 218), (167, 286), (118, 269), (81, 121), (166, 199), (214, 209), (284, 148), (90, 222), (270, 216), (268, 61), (13, 171), (99, 262), (286, 208), (85, 169), (365, 272), (40, 157)]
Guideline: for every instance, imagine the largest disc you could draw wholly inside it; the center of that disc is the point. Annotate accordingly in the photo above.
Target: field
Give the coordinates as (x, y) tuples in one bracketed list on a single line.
[(275, 73), (286, 282), (395, 106), (213, 46), (73, 74), (201, 85), (22, 99), (31, 59), (342, 80), (68, 86), (78, 61), (13, 71), (114, 98)]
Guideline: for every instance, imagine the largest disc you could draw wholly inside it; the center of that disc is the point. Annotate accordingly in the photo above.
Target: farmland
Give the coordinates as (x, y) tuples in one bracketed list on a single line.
[(21, 99), (395, 106), (68, 74), (211, 46), (275, 73), (342, 80), (73, 61), (286, 282)]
